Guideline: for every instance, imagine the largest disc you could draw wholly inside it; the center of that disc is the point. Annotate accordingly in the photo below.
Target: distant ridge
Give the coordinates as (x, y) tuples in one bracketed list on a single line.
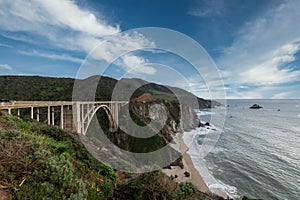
[(39, 88)]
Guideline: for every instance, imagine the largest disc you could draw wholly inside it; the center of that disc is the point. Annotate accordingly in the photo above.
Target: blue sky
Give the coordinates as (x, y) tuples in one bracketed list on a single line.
[(254, 44)]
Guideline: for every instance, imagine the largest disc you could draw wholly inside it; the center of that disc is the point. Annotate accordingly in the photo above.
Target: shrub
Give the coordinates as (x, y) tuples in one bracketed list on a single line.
[(131, 190), (10, 134), (24, 126), (106, 171), (54, 178), (59, 146), (11, 118), (107, 189), (187, 188), (51, 131)]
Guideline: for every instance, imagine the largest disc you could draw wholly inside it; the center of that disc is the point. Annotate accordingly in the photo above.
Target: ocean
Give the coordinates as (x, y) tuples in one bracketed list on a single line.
[(258, 152)]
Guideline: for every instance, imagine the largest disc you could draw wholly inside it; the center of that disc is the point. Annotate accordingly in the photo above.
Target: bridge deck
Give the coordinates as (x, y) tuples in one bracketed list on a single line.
[(35, 104)]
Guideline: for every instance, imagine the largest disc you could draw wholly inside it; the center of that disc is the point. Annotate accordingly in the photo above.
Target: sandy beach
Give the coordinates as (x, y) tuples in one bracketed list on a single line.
[(194, 177)]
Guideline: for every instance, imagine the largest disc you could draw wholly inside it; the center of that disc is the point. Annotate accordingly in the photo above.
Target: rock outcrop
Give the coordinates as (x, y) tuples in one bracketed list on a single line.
[(143, 98), (255, 106)]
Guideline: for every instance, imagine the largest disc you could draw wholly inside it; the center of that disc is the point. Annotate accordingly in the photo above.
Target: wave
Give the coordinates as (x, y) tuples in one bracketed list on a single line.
[(204, 112), (191, 139)]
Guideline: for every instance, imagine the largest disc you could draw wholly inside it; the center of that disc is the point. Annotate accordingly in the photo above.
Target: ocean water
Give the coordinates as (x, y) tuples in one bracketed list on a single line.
[(257, 153)]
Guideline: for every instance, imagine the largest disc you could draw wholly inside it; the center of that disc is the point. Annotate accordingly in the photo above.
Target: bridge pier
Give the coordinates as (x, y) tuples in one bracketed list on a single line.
[(48, 115), (62, 117), (52, 114), (114, 109), (31, 113), (68, 120), (38, 114)]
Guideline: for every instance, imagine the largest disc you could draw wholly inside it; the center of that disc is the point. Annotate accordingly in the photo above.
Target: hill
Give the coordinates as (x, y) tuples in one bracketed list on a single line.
[(38, 88), (53, 164), (38, 161)]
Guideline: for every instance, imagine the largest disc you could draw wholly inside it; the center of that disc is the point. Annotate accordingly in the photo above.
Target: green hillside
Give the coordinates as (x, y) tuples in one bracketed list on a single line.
[(36, 88), (38, 161)]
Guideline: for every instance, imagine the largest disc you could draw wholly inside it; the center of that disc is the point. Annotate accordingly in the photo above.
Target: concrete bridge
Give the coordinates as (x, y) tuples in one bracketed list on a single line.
[(73, 116)]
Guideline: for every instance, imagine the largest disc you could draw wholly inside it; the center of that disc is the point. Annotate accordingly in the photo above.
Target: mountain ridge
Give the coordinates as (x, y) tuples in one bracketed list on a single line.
[(41, 88)]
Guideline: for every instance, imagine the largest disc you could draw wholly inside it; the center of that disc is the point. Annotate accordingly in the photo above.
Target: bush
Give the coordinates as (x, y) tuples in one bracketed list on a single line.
[(106, 171), (24, 126), (51, 131), (131, 190), (10, 134), (107, 189), (53, 179), (187, 188), (59, 146)]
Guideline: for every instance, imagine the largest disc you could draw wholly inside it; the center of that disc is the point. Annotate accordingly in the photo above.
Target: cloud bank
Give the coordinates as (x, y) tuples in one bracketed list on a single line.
[(66, 25), (262, 54)]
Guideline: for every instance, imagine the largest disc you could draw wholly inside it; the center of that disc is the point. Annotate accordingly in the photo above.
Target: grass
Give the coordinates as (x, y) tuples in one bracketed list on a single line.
[(158, 95)]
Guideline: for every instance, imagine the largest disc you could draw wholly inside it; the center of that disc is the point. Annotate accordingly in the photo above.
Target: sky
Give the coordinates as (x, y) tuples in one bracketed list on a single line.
[(253, 45)]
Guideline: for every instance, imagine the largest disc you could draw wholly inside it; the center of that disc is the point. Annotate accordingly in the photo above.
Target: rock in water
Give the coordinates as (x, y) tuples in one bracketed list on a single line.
[(256, 106)]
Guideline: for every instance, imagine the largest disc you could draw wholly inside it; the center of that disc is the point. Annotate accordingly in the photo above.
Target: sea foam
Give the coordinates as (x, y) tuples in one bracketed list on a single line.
[(215, 186)]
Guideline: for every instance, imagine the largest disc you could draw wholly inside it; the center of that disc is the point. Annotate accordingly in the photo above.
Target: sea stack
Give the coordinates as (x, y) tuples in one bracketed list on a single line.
[(255, 106)]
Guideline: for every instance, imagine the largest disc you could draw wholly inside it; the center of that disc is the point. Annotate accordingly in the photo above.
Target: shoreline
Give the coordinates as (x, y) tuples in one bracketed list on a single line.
[(188, 166)]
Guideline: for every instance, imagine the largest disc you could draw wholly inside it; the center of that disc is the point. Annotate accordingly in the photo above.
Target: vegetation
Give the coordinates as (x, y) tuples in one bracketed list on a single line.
[(38, 161), (154, 185), (36, 88)]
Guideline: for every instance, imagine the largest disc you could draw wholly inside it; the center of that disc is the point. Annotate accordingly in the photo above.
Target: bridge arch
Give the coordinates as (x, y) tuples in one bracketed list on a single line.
[(91, 111)]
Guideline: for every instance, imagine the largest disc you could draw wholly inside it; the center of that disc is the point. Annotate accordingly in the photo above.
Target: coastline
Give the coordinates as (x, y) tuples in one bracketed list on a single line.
[(188, 166)]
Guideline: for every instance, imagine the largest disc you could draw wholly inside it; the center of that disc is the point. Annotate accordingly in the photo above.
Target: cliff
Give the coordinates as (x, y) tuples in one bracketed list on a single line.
[(176, 118)]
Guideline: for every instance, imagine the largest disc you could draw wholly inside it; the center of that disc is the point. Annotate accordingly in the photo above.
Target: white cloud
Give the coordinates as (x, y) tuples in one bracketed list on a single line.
[(245, 95), (52, 56), (137, 65), (65, 25), (281, 95), (263, 50), (6, 66), (67, 13), (5, 45), (269, 71), (116, 45), (208, 9), (34, 14)]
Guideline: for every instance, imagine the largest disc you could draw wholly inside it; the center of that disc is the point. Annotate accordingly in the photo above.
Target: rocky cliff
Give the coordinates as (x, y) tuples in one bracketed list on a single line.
[(176, 118)]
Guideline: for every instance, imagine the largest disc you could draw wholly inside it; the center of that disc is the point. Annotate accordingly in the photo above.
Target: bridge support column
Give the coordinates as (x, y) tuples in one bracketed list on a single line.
[(9, 111), (68, 118), (115, 116), (52, 112), (78, 116), (31, 113), (18, 112), (62, 117), (38, 114), (49, 115)]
